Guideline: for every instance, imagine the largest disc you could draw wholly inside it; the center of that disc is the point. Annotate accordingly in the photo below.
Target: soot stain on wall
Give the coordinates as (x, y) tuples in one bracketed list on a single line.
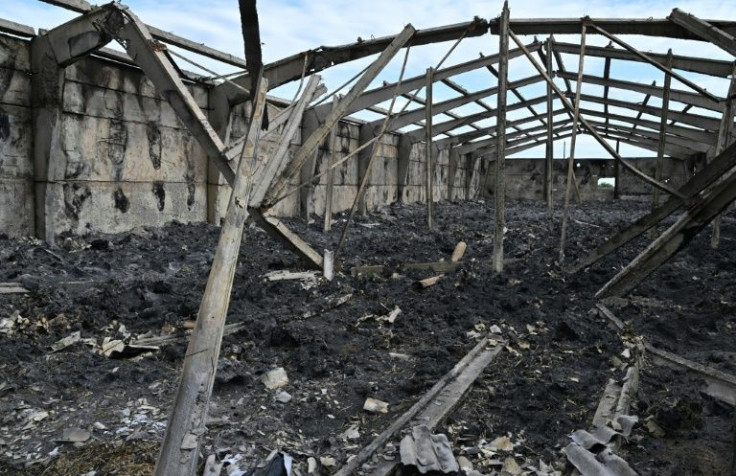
[(154, 144), (121, 201), (74, 197), (160, 193)]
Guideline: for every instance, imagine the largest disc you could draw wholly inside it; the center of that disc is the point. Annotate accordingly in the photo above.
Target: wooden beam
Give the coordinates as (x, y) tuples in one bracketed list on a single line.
[(663, 130), (573, 143), (418, 134), (429, 150), (81, 6), (672, 140), (720, 166), (24, 31), (383, 93), (407, 117), (696, 135), (700, 122), (684, 97), (705, 30), (499, 193), (313, 61), (180, 449), (693, 64), (595, 134), (314, 140), (456, 382), (617, 26), (550, 146), (334, 147), (657, 64)]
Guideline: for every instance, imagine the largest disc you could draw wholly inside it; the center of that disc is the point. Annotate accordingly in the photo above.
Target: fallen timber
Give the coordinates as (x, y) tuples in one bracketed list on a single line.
[(720, 385), (434, 406)]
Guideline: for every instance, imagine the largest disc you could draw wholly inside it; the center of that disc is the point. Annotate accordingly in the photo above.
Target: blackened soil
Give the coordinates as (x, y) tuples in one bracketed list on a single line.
[(544, 385)]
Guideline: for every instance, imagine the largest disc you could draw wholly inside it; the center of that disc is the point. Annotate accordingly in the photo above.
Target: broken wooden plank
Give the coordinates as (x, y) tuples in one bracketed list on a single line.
[(721, 385), (429, 282), (458, 252), (291, 240), (453, 385), (12, 288), (705, 30), (180, 449)]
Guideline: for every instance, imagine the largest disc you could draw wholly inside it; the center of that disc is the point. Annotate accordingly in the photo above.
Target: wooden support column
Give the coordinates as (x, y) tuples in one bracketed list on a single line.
[(470, 174), (617, 174), (662, 130), (573, 141), (500, 191), (673, 240), (332, 154), (724, 140), (308, 169), (550, 146), (366, 134), (180, 449), (454, 161), (402, 165), (429, 149)]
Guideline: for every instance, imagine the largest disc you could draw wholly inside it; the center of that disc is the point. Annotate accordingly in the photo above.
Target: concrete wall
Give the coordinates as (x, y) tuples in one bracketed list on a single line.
[(16, 163), (122, 159)]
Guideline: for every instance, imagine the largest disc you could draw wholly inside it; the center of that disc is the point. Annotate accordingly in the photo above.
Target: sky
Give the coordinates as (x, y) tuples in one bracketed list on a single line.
[(291, 26)]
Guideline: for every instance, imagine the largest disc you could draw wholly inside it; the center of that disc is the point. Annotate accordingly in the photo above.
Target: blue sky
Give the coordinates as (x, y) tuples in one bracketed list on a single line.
[(291, 26)]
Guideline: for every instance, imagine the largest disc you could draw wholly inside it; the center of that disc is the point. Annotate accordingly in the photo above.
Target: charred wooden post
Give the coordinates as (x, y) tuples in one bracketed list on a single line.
[(180, 449), (663, 130), (617, 174), (500, 191), (334, 145), (429, 151), (550, 148), (724, 139), (573, 142)]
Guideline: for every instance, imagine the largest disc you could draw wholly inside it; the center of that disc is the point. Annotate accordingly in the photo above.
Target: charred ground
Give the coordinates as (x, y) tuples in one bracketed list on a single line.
[(545, 385)]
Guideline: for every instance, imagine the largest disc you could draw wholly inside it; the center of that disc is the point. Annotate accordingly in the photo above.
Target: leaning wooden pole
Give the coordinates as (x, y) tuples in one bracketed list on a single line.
[(429, 149), (549, 153), (180, 449), (724, 140), (722, 166), (499, 192), (310, 144), (573, 142), (673, 240), (662, 130)]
